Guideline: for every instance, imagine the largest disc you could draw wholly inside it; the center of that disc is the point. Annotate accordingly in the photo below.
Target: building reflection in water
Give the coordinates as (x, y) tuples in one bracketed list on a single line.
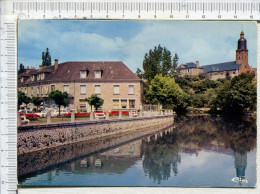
[(240, 165), (160, 154)]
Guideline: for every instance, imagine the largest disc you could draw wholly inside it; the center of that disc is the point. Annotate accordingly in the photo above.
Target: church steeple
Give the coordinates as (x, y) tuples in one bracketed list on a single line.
[(242, 55), (241, 43)]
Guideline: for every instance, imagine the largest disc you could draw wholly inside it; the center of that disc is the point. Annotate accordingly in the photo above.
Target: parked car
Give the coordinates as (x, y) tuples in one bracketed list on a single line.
[(42, 113), (28, 114)]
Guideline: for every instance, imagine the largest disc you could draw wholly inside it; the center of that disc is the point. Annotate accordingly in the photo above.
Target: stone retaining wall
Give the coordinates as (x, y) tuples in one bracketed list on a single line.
[(37, 137), (32, 162)]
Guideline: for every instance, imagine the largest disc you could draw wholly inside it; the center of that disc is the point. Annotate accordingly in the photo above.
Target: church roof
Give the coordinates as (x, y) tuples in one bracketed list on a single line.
[(226, 66), (189, 65)]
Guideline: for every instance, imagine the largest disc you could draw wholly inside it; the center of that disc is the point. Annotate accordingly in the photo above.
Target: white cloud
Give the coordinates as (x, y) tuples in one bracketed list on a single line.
[(208, 42)]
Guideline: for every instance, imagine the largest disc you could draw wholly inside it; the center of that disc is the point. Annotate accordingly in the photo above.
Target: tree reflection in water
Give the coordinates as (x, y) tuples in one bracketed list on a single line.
[(162, 153)]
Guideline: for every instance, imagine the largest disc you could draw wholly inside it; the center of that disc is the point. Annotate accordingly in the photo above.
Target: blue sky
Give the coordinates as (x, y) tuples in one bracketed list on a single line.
[(128, 41)]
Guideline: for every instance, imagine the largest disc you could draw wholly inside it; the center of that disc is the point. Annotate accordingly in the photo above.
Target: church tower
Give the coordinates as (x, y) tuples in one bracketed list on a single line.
[(242, 55)]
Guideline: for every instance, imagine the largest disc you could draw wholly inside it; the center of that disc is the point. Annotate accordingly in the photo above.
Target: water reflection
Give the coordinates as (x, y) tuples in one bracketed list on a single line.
[(198, 151), (162, 155)]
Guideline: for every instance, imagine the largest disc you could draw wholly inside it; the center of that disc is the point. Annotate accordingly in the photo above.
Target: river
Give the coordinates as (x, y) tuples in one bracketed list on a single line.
[(198, 151)]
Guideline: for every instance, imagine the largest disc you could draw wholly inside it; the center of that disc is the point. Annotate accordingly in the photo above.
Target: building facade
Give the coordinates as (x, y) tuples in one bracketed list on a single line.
[(222, 70), (112, 81)]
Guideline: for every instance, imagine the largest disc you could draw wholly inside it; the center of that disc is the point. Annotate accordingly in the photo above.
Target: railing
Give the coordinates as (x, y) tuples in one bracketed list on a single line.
[(83, 116)]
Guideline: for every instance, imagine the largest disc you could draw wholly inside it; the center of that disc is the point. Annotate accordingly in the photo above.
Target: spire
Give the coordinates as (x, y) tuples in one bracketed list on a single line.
[(241, 43)]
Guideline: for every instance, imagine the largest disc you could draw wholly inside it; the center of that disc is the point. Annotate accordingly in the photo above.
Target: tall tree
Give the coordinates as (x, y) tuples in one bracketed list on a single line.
[(156, 61), (37, 101), (165, 91), (95, 101), (46, 58), (139, 73), (60, 98), (21, 69), (175, 69)]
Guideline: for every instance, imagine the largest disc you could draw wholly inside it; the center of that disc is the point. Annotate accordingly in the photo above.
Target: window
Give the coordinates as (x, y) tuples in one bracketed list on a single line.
[(41, 89), (38, 90), (123, 103), (82, 104), (33, 78), (38, 77), (42, 76), (32, 91), (234, 72), (25, 91), (98, 74), (97, 89), (116, 104), (52, 87), (131, 89), (116, 89), (83, 74), (66, 88), (22, 79), (83, 89), (46, 89), (131, 103)]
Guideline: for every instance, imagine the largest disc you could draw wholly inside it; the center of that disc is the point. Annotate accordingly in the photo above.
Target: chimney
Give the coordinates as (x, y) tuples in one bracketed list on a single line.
[(27, 69), (40, 67), (56, 65), (197, 64)]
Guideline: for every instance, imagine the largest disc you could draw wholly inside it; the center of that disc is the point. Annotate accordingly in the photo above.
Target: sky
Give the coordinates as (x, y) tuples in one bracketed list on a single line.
[(117, 40)]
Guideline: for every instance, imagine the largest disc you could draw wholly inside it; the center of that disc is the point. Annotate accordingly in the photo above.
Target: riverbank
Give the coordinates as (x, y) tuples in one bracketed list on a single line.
[(30, 163), (38, 137)]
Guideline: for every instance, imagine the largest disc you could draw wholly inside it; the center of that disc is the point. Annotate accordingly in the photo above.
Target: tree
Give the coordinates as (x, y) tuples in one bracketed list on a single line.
[(60, 98), (165, 91), (21, 98), (37, 101), (95, 101), (237, 95), (27, 100), (46, 58), (175, 70), (156, 61), (21, 69), (139, 73)]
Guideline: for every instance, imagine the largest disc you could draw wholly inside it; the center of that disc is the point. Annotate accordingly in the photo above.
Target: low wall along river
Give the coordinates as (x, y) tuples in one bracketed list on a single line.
[(37, 137)]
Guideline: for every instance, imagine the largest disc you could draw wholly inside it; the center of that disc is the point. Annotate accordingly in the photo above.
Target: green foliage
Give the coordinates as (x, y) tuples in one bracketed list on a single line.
[(46, 58), (95, 101), (60, 98), (237, 95), (139, 73), (157, 61), (175, 70), (165, 91), (37, 101), (21, 69), (199, 100), (22, 98)]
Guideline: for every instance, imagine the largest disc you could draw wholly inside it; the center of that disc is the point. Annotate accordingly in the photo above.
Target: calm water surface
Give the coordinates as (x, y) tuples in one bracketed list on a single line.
[(197, 152)]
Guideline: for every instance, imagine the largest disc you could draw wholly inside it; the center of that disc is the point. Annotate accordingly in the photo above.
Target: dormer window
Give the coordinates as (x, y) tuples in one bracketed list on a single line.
[(98, 74), (22, 79), (32, 77), (83, 74), (38, 77), (42, 76)]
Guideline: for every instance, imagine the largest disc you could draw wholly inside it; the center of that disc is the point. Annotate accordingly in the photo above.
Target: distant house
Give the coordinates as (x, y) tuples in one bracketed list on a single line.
[(113, 81), (221, 70)]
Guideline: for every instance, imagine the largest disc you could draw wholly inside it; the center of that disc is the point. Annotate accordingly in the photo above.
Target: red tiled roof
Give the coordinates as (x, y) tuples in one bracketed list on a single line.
[(112, 70), (67, 71)]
